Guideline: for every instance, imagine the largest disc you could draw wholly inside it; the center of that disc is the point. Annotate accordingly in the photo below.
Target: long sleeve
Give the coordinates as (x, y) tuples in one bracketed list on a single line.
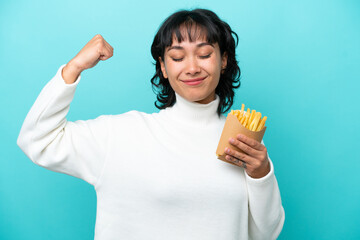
[(266, 213), (75, 148)]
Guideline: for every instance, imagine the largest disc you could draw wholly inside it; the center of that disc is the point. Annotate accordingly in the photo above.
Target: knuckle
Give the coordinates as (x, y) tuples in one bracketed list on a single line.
[(101, 45), (265, 151), (238, 155), (257, 164)]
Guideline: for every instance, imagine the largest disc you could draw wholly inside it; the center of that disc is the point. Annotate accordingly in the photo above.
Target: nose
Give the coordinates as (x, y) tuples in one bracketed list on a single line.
[(192, 67)]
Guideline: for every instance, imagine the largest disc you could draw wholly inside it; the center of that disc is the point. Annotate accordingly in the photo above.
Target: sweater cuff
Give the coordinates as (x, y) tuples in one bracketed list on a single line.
[(266, 178), (60, 80)]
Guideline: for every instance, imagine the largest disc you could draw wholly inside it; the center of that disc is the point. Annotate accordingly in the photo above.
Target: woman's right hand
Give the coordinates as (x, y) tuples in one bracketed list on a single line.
[(95, 50)]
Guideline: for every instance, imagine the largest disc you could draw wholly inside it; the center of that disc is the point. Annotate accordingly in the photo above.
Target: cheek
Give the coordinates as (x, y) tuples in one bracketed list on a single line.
[(214, 66), (172, 68)]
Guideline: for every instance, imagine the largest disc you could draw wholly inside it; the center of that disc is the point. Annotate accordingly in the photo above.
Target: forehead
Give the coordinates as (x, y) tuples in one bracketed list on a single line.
[(193, 36), (188, 33), (184, 45), (200, 41)]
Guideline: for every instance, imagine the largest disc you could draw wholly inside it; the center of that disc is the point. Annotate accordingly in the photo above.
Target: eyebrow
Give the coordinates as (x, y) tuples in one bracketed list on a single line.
[(198, 46)]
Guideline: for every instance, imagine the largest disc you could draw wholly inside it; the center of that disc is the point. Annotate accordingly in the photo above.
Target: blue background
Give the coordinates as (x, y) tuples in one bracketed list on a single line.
[(300, 64)]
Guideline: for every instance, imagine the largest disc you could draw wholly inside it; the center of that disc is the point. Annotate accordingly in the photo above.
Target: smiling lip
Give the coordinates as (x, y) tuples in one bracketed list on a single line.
[(194, 81)]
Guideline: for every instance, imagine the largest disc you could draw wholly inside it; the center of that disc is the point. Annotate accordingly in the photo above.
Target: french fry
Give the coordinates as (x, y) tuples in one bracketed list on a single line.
[(246, 120), (243, 120), (240, 116), (250, 119), (236, 113), (252, 115), (242, 110), (247, 116), (255, 122), (261, 124), (251, 125), (258, 121)]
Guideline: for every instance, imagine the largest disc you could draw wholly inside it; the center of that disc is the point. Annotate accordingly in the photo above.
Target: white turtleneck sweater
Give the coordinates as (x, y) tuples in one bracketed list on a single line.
[(156, 175)]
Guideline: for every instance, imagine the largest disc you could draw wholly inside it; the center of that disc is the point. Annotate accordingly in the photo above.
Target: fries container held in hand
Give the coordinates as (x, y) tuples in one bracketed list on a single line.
[(232, 128)]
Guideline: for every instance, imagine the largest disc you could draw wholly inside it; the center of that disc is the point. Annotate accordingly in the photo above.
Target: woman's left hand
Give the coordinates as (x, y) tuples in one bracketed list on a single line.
[(254, 159)]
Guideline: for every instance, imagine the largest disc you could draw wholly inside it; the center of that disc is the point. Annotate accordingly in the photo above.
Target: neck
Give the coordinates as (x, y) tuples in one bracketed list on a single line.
[(207, 100), (194, 113)]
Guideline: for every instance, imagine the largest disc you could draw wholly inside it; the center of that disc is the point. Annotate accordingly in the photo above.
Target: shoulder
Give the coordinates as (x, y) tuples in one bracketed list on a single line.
[(132, 117)]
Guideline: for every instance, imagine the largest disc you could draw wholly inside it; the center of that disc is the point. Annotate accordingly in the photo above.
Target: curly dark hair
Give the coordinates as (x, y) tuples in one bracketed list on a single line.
[(216, 31)]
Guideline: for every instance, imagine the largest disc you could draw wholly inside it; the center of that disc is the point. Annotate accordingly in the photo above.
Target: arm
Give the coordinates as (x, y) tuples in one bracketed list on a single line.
[(70, 73), (266, 213), (49, 140)]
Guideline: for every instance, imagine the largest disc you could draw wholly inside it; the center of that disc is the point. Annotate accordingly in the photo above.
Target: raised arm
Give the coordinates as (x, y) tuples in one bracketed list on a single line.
[(95, 50), (76, 148)]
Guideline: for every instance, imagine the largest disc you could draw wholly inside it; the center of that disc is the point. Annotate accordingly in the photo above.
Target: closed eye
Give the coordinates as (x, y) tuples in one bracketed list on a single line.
[(206, 56), (180, 59), (177, 59)]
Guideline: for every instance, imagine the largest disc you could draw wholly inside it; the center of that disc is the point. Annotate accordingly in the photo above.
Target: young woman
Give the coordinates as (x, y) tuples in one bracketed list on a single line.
[(156, 175)]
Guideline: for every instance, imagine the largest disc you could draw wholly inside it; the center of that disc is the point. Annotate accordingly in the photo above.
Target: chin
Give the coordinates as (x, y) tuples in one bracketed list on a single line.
[(193, 97), (199, 98)]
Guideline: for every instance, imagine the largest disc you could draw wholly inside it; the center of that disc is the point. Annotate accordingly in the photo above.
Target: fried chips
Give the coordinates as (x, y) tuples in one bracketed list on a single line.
[(250, 119)]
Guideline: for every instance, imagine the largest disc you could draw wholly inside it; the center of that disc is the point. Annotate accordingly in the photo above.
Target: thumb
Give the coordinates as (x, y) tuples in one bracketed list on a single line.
[(103, 57)]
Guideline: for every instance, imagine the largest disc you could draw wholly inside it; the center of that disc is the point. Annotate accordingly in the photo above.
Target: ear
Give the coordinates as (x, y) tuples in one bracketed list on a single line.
[(163, 70), (224, 61)]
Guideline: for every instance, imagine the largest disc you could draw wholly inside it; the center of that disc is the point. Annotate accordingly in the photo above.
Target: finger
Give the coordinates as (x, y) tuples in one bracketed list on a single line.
[(241, 156), (250, 142), (106, 53), (236, 161), (103, 57), (106, 43), (108, 47), (244, 147)]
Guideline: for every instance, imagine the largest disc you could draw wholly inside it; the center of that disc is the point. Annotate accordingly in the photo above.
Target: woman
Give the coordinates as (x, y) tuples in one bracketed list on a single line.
[(156, 175)]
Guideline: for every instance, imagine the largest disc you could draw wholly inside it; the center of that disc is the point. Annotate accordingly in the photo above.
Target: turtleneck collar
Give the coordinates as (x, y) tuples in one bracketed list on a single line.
[(193, 113)]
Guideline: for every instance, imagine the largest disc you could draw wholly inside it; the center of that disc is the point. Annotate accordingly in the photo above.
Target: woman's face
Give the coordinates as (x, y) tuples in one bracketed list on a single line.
[(193, 69)]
